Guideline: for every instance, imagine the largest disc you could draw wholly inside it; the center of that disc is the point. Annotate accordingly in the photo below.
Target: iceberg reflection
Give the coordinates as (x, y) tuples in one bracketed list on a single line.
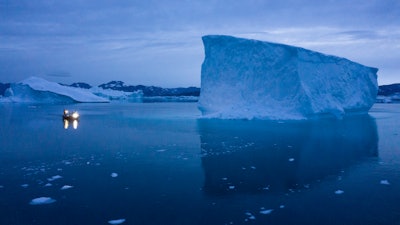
[(252, 156)]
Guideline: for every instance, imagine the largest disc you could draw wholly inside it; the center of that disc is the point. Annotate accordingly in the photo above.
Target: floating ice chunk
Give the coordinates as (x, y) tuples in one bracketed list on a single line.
[(231, 187), (56, 177), (65, 187), (24, 185), (282, 206), (48, 185), (339, 192), (385, 182), (250, 216), (42, 201), (161, 150), (114, 175), (1, 186), (291, 159), (118, 221), (224, 178), (266, 211)]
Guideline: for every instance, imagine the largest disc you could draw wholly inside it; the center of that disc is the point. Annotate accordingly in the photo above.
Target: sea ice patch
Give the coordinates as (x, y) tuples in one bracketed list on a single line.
[(118, 221), (250, 216), (385, 182), (42, 201), (65, 187), (339, 192), (266, 211), (114, 175), (56, 177)]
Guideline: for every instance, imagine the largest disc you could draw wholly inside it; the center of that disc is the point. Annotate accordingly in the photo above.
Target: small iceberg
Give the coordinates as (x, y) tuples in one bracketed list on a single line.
[(56, 177), (339, 192), (65, 187), (114, 175), (385, 182), (250, 216), (42, 201), (118, 221), (266, 211)]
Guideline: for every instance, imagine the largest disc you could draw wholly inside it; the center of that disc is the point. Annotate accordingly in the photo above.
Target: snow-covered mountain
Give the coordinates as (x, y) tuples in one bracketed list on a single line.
[(151, 91)]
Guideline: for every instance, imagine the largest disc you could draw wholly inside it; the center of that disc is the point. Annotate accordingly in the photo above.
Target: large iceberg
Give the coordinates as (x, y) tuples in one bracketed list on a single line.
[(242, 78), (38, 90)]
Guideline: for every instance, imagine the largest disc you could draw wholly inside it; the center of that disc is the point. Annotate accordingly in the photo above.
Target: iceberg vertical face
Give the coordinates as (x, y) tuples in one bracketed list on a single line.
[(243, 78)]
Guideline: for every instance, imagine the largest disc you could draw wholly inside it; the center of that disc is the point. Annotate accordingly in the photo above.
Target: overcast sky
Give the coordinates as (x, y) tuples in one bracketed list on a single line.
[(158, 42)]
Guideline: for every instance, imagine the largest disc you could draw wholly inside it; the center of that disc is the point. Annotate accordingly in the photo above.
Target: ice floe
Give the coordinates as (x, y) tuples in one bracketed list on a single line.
[(118, 221), (24, 185), (65, 187), (42, 201), (56, 177), (114, 175), (385, 182), (339, 192), (266, 211), (250, 216)]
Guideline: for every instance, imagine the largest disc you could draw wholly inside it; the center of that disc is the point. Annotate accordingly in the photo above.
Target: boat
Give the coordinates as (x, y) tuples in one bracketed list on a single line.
[(70, 116)]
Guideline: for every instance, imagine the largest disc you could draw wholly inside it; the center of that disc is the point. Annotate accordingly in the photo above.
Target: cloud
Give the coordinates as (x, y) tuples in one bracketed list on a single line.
[(61, 74)]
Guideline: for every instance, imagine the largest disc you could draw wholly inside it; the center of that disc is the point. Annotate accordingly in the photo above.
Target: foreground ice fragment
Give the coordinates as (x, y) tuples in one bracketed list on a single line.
[(339, 192), (65, 187), (56, 177), (243, 78), (266, 211), (118, 221), (385, 182), (42, 201), (113, 175)]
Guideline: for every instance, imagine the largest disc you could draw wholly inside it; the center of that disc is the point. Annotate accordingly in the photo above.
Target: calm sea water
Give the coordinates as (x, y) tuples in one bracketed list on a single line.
[(158, 163)]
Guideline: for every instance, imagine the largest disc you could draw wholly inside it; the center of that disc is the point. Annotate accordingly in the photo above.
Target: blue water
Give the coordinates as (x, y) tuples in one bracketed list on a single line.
[(158, 163)]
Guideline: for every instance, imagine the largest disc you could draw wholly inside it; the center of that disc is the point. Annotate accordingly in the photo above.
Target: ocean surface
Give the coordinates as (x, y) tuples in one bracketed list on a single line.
[(158, 163)]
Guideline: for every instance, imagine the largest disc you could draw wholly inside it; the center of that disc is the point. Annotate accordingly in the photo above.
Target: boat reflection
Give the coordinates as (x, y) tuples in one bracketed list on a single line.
[(253, 156), (67, 124)]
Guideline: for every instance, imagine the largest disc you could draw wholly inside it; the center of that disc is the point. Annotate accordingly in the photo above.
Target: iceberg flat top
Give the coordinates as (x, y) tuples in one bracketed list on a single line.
[(242, 78)]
